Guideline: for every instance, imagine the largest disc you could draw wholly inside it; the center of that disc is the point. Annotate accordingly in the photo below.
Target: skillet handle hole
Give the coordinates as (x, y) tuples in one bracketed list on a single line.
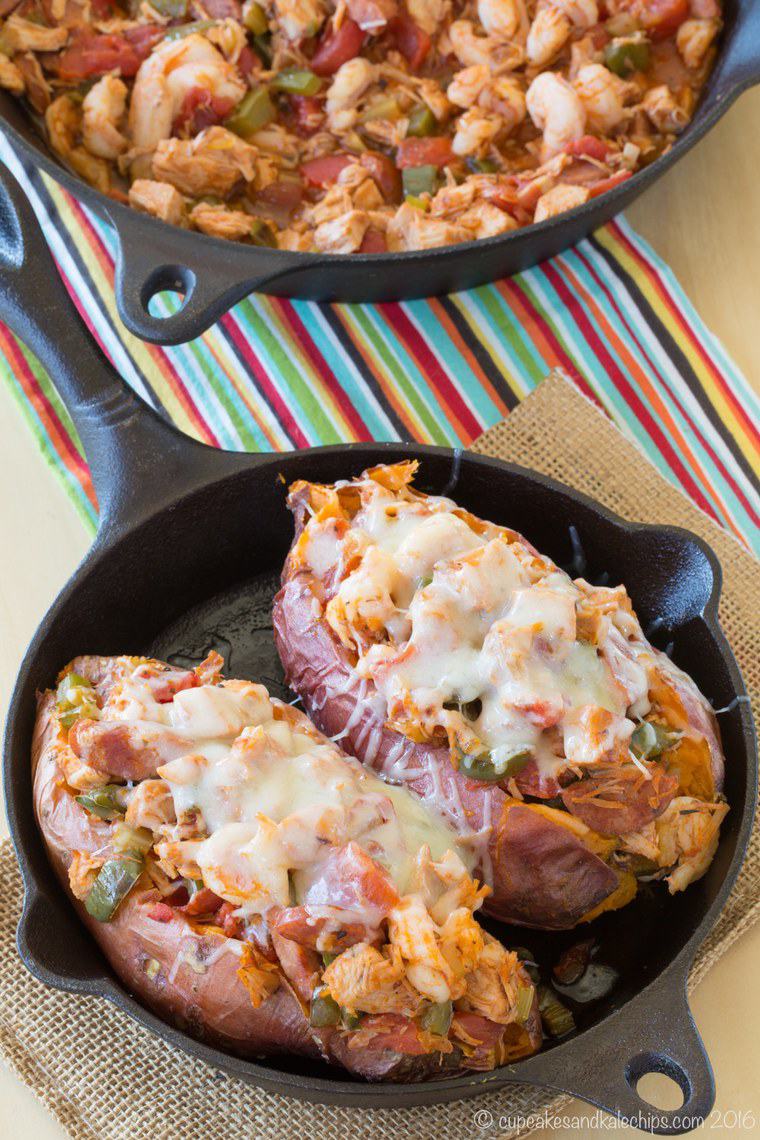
[(167, 290), (658, 1081)]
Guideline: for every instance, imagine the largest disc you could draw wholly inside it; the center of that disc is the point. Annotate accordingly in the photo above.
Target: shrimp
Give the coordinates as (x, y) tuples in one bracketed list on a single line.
[(63, 120), (151, 805), (557, 110), (558, 200), (504, 95), (694, 38), (159, 199), (466, 86), (429, 14), (503, 19), (553, 25), (103, 110), (350, 82), (169, 73), (687, 832), (471, 48), (10, 77), (415, 936), (663, 109), (215, 162), (602, 94), (475, 132), (299, 19)]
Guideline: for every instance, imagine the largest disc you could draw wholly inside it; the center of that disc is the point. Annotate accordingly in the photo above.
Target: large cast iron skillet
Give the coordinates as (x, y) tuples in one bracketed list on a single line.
[(214, 274), (190, 545)]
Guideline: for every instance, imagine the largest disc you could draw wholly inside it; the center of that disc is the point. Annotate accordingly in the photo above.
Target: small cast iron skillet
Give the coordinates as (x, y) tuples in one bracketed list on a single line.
[(187, 556), (214, 274)]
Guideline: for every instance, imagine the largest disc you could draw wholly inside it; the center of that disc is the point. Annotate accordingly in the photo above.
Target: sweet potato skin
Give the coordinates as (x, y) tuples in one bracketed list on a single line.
[(186, 976), (318, 669)]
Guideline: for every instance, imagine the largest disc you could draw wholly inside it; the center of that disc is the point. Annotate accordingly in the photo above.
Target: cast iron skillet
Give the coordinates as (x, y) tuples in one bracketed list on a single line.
[(214, 274), (190, 545)]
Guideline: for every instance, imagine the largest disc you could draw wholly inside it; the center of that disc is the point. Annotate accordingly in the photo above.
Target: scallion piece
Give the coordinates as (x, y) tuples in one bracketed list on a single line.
[(557, 1018)]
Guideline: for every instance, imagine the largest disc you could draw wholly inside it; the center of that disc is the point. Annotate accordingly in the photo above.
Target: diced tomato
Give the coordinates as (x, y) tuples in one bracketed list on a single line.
[(200, 108), (481, 1029), (320, 931), (177, 897), (372, 14), (351, 880), (232, 924), (600, 37), (325, 170), (424, 152), (167, 684), (160, 912), (309, 112), (660, 18), (610, 183), (336, 48), (278, 201), (392, 1031), (589, 147), (373, 242), (248, 63), (532, 782), (411, 40), (204, 901), (89, 55), (385, 173)]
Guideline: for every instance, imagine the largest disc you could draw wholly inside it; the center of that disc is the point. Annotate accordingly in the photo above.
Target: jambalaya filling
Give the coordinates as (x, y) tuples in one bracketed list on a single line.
[(464, 635), (360, 125), (238, 815)]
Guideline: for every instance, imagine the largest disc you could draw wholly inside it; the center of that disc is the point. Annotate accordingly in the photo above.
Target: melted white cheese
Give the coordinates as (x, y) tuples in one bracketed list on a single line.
[(479, 617)]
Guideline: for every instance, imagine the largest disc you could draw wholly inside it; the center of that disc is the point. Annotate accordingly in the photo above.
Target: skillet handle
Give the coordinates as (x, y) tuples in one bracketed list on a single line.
[(655, 1033), (133, 454), (153, 257), (739, 64)]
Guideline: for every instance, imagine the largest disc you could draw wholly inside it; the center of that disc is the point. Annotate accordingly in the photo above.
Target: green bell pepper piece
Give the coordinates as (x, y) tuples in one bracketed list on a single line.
[(106, 802), (422, 122), (624, 56), (324, 1010), (418, 180), (297, 81), (436, 1017), (114, 882), (650, 739), (252, 113), (483, 767)]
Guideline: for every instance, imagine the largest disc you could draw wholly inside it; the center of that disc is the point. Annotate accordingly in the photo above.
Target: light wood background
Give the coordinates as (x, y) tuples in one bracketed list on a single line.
[(703, 218)]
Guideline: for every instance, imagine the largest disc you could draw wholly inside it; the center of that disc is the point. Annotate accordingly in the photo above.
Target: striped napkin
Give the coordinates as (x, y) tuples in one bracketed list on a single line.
[(275, 374)]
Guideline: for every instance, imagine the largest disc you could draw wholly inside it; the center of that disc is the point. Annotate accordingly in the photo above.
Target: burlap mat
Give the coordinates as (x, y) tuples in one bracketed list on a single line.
[(105, 1078)]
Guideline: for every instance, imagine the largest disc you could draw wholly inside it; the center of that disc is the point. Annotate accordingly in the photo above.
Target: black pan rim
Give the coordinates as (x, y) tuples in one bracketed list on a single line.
[(342, 1091)]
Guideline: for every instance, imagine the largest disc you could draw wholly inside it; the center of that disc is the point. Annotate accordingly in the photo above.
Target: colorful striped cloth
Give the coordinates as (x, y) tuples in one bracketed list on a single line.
[(277, 374)]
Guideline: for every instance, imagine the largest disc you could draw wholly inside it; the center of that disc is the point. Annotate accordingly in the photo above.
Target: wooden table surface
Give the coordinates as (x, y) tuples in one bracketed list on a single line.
[(702, 218)]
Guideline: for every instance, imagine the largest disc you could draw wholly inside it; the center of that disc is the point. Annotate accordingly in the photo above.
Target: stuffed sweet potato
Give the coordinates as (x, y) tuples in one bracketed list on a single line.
[(252, 884), (449, 655)]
